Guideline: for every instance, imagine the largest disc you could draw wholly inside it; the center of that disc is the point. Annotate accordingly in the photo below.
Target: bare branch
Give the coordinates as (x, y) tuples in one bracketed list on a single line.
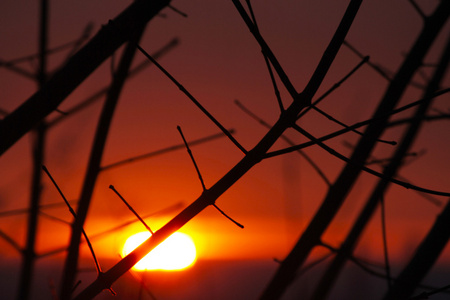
[(192, 158), (334, 87), (11, 241), (97, 265), (368, 170), (357, 125), (192, 98), (418, 9), (286, 139), (101, 92), (164, 150), (131, 208)]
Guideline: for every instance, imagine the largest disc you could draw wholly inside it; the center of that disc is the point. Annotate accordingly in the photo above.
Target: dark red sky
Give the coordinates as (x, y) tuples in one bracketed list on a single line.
[(218, 61)]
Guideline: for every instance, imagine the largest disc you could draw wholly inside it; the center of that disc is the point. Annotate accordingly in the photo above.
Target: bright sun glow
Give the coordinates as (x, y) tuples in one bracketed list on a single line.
[(175, 253)]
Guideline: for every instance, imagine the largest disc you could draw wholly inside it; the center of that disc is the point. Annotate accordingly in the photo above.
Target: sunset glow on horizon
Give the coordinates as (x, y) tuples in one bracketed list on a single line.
[(176, 253)]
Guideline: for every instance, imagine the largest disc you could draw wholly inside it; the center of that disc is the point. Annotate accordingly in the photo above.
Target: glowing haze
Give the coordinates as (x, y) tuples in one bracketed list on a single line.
[(177, 252)]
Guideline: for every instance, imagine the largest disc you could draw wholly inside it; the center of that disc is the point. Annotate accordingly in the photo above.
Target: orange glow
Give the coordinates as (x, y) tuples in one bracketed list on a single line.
[(176, 253)]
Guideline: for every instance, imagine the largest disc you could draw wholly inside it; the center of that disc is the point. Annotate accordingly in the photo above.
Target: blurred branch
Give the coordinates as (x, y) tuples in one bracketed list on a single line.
[(83, 63), (382, 116), (349, 161), (164, 150), (338, 192), (93, 169), (418, 9), (11, 241), (424, 258), (72, 212), (101, 92), (20, 211), (113, 229), (407, 140)]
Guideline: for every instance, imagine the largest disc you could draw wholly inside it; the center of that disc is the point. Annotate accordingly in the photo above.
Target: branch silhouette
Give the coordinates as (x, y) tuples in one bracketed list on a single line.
[(252, 157), (83, 63)]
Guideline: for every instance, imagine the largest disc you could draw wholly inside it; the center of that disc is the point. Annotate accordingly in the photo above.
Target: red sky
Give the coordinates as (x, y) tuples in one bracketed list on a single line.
[(218, 61)]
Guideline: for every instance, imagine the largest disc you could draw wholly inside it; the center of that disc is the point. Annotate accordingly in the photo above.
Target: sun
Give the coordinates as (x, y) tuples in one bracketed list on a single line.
[(177, 252)]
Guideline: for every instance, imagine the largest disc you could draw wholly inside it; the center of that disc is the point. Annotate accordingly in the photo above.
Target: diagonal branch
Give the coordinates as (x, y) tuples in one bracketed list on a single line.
[(80, 66), (209, 196)]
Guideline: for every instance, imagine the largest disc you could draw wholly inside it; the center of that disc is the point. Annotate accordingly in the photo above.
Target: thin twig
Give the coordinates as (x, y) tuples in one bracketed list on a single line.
[(418, 9), (131, 208), (368, 170), (334, 87), (192, 158), (356, 125), (228, 217), (164, 150), (101, 92), (177, 11), (97, 265), (192, 98), (201, 178), (331, 118), (286, 139), (113, 229), (26, 210), (376, 67), (267, 62)]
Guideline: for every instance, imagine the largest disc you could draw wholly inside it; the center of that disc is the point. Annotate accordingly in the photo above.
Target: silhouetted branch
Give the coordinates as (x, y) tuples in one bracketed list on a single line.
[(11, 241), (418, 9), (20, 211), (93, 168), (374, 66), (331, 118), (267, 52), (131, 208), (164, 150), (177, 11), (101, 92), (287, 140), (113, 229), (334, 87), (338, 192), (64, 81), (350, 242), (201, 178), (356, 125), (368, 170), (252, 157), (228, 217), (266, 60), (192, 158), (192, 98), (425, 256), (97, 265), (425, 295)]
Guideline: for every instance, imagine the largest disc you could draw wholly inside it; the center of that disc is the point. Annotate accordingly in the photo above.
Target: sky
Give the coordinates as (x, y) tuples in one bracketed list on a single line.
[(218, 62)]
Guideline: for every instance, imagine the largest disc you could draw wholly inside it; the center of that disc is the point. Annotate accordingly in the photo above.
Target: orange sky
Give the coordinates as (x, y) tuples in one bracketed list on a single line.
[(218, 61)]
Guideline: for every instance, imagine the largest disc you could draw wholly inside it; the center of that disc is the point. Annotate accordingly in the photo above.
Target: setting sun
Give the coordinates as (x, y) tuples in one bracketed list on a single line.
[(177, 252)]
